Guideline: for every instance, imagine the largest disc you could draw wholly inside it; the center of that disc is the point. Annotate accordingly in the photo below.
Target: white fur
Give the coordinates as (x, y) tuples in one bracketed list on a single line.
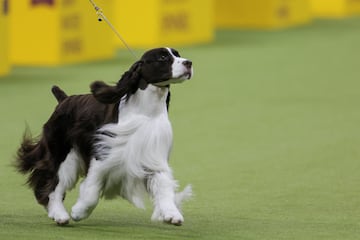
[(68, 175), (135, 160), (179, 70)]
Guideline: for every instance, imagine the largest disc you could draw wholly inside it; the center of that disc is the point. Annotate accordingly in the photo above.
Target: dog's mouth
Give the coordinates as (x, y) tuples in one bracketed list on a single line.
[(178, 79), (187, 74), (170, 81), (184, 74)]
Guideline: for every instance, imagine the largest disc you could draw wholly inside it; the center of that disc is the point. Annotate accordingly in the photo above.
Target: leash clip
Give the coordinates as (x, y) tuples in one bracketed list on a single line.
[(101, 17), (99, 13)]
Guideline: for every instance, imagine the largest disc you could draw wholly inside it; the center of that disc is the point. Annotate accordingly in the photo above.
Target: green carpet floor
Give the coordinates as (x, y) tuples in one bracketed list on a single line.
[(267, 132)]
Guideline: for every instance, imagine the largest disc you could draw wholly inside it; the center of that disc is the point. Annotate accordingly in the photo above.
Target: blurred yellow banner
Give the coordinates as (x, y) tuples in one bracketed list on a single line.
[(153, 23), (335, 8), (4, 56), (49, 32), (265, 14)]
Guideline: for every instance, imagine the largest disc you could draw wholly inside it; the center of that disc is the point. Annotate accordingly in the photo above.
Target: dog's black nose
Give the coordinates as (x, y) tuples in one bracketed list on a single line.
[(187, 63)]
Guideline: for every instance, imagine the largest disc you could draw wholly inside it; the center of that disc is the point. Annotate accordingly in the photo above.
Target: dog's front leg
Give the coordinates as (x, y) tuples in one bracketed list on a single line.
[(90, 190), (162, 186)]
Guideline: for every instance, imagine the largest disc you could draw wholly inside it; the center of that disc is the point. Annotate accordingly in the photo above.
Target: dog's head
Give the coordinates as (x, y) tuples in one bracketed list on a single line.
[(159, 66)]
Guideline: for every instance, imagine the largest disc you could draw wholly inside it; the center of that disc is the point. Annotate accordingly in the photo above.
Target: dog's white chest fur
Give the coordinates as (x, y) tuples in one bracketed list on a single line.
[(138, 145)]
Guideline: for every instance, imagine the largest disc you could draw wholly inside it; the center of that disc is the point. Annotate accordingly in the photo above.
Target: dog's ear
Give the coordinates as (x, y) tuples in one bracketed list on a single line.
[(127, 85), (104, 93)]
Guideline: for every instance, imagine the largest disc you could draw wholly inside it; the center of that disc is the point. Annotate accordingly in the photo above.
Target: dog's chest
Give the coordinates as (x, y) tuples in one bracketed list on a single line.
[(142, 138), (146, 113), (150, 102), (141, 143)]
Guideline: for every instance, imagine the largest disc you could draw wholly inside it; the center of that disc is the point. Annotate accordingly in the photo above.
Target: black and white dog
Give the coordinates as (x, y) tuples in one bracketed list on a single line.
[(119, 137)]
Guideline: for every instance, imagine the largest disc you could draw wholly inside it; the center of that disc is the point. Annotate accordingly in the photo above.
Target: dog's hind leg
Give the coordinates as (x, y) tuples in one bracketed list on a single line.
[(68, 174), (90, 190)]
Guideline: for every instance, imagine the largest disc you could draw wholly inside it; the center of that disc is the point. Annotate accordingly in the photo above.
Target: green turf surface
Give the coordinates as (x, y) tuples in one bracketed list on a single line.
[(267, 132)]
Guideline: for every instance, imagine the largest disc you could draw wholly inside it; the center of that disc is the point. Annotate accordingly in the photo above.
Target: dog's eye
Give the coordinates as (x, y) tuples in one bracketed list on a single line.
[(163, 58)]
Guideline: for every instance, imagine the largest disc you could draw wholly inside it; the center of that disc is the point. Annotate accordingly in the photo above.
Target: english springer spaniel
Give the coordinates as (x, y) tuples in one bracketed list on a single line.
[(119, 137)]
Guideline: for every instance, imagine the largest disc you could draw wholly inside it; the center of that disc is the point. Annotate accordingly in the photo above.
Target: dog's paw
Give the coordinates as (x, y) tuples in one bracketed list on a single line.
[(174, 218), (58, 214), (60, 217), (62, 221), (170, 216), (79, 212)]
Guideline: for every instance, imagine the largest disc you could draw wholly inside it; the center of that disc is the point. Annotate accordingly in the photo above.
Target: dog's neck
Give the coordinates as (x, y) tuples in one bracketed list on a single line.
[(149, 102)]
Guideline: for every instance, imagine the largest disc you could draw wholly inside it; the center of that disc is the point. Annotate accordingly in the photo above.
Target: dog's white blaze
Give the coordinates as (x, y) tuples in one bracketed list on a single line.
[(179, 70)]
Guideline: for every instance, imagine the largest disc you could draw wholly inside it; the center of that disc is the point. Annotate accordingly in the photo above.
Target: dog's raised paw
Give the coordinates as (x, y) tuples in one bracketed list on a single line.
[(78, 213), (78, 216)]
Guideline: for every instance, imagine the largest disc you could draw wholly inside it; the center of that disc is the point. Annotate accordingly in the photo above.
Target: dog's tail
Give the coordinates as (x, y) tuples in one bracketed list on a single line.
[(32, 157), (29, 152), (59, 94)]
